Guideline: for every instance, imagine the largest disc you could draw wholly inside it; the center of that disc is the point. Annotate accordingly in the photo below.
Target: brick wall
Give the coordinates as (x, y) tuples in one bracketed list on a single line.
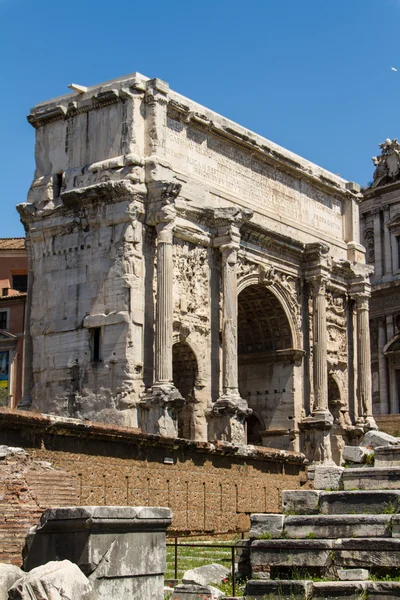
[(211, 488), (389, 424)]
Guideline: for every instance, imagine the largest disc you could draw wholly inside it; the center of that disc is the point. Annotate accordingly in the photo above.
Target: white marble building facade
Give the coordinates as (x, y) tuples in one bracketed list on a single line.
[(380, 233), (192, 278)]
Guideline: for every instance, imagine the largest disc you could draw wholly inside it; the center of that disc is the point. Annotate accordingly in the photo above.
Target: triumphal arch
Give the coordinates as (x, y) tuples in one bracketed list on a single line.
[(190, 277)]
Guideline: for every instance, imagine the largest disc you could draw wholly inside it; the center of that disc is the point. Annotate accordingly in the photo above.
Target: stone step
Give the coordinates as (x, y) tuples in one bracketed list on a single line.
[(387, 456), (284, 589), (330, 590), (308, 502), (337, 526), (372, 478), (341, 553), (359, 502)]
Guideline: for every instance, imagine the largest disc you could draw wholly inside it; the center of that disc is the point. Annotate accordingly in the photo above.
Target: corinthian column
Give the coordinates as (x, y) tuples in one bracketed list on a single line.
[(383, 379), (229, 412), (164, 307), (320, 355), (162, 401), (364, 360), (317, 426), (229, 321)]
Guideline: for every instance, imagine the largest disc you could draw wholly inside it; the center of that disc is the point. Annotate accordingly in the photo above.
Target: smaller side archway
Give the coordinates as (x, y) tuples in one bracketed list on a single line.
[(185, 373)]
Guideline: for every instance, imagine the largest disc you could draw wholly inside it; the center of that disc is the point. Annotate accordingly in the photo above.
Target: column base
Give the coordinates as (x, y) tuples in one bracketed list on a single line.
[(227, 418), (159, 410), (317, 437), (25, 403), (367, 423)]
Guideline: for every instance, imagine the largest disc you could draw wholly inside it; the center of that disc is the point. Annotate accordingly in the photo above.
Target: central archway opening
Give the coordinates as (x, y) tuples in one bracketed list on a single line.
[(185, 372), (265, 365)]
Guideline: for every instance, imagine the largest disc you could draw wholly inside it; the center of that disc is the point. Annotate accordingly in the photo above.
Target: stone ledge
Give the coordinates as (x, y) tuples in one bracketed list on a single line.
[(49, 424)]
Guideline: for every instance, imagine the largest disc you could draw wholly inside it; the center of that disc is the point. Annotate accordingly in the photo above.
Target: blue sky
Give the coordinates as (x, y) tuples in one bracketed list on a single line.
[(312, 75)]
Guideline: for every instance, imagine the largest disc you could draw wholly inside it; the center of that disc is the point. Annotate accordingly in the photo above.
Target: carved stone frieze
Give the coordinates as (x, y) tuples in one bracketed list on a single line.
[(191, 280)]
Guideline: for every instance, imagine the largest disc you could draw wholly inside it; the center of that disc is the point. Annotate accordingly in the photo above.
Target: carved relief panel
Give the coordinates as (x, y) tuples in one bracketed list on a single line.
[(191, 281), (336, 306)]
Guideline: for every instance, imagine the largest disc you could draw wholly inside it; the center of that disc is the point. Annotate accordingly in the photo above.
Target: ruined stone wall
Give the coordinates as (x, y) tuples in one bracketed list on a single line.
[(208, 488)]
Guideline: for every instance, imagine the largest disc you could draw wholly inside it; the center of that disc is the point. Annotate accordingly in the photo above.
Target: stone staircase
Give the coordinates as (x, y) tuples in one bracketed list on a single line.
[(340, 540)]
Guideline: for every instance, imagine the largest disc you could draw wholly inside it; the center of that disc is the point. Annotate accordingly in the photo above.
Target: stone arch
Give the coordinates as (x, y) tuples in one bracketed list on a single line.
[(185, 375), (266, 361), (254, 427), (282, 295)]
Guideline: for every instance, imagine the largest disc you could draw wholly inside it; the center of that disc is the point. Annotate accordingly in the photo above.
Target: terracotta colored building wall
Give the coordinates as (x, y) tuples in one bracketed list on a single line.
[(9, 265), (208, 491)]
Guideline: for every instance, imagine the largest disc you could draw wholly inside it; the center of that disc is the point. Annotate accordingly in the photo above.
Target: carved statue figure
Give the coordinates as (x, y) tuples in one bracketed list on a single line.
[(387, 165)]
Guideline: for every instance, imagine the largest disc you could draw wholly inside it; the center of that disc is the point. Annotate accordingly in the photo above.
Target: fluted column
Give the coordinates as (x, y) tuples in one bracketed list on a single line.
[(387, 243), (383, 379), (377, 243), (320, 346), (364, 360), (161, 403), (164, 306), (229, 320)]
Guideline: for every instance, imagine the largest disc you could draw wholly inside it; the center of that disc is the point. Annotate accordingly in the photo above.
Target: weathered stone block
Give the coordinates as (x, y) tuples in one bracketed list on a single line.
[(266, 524), (387, 456), (205, 575), (121, 548), (359, 502), (328, 477), (353, 574), (53, 581), (300, 502), (375, 438), (356, 454), (368, 552), (284, 590), (9, 574), (196, 592), (268, 553), (374, 478), (337, 526), (335, 590)]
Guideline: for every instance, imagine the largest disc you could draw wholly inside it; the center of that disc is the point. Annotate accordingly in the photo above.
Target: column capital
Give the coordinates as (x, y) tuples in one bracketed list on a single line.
[(228, 222), (162, 209), (318, 283), (376, 210)]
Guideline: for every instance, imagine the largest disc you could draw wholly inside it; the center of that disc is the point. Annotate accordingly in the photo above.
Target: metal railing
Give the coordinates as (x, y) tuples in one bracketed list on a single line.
[(177, 545)]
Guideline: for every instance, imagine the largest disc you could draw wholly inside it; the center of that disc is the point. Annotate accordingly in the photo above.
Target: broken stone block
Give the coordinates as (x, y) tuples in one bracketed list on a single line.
[(328, 477), (353, 574), (266, 524), (190, 591), (300, 502), (367, 552), (8, 576), (120, 548), (356, 454), (205, 575), (375, 438), (52, 581)]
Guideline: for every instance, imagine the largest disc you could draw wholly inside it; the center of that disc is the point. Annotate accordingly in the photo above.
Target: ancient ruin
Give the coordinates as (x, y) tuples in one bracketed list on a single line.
[(192, 278)]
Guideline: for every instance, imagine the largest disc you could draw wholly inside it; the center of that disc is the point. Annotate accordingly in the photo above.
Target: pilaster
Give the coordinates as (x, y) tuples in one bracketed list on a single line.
[(383, 371)]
